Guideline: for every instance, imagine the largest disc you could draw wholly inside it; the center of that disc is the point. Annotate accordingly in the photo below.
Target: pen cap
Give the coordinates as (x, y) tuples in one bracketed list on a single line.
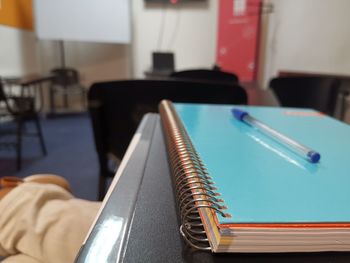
[(239, 114), (313, 156)]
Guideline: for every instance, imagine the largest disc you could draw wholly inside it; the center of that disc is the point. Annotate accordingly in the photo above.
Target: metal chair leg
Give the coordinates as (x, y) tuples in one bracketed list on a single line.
[(52, 100), (83, 99), (40, 134), (65, 97)]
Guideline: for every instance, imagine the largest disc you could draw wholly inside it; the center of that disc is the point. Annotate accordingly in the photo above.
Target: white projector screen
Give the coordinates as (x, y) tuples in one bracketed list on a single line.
[(83, 20)]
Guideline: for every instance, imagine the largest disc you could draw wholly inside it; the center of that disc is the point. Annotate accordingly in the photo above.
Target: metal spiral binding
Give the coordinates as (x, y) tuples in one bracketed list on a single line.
[(194, 187)]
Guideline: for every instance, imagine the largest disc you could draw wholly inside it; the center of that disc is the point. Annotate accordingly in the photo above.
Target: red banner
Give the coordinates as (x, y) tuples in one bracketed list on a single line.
[(238, 37)]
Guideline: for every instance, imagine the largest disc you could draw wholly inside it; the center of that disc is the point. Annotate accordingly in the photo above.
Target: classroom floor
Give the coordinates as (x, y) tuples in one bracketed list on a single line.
[(71, 154)]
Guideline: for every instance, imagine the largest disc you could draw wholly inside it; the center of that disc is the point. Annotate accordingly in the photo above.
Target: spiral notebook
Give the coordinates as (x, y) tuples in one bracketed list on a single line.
[(238, 190)]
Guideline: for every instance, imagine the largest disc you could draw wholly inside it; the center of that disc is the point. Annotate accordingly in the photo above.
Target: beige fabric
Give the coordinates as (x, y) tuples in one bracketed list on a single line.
[(20, 258), (43, 222)]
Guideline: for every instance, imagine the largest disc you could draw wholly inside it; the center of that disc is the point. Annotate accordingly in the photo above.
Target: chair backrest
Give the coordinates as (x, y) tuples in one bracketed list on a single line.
[(208, 75), (319, 93), (117, 107), (65, 76)]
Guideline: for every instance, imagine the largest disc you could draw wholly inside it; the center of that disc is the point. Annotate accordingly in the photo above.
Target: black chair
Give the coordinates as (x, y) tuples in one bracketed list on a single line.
[(20, 109), (66, 82), (319, 93), (116, 108), (207, 75)]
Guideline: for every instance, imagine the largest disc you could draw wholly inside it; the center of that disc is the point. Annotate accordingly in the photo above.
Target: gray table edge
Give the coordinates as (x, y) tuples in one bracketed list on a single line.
[(106, 241)]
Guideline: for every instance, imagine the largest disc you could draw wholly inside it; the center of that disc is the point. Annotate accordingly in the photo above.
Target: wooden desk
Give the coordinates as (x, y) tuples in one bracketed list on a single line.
[(31, 85)]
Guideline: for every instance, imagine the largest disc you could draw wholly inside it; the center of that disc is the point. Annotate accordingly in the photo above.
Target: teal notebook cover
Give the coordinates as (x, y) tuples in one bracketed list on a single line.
[(262, 181)]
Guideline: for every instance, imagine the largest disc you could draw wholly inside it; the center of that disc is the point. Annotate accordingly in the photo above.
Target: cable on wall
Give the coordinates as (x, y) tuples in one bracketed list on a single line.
[(176, 27), (162, 26)]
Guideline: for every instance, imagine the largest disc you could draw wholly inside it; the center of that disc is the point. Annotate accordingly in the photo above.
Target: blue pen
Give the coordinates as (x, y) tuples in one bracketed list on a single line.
[(311, 155)]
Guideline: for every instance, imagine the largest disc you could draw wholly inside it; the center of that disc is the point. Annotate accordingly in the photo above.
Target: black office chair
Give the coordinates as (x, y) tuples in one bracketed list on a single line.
[(66, 82), (20, 109), (206, 75), (116, 108), (319, 93)]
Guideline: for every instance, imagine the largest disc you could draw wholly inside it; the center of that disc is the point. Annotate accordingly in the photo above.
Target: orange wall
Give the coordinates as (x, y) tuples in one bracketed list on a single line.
[(17, 13)]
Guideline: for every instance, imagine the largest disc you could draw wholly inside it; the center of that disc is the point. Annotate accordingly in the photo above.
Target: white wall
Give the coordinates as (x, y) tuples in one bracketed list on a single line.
[(189, 31), (18, 52), (308, 35)]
